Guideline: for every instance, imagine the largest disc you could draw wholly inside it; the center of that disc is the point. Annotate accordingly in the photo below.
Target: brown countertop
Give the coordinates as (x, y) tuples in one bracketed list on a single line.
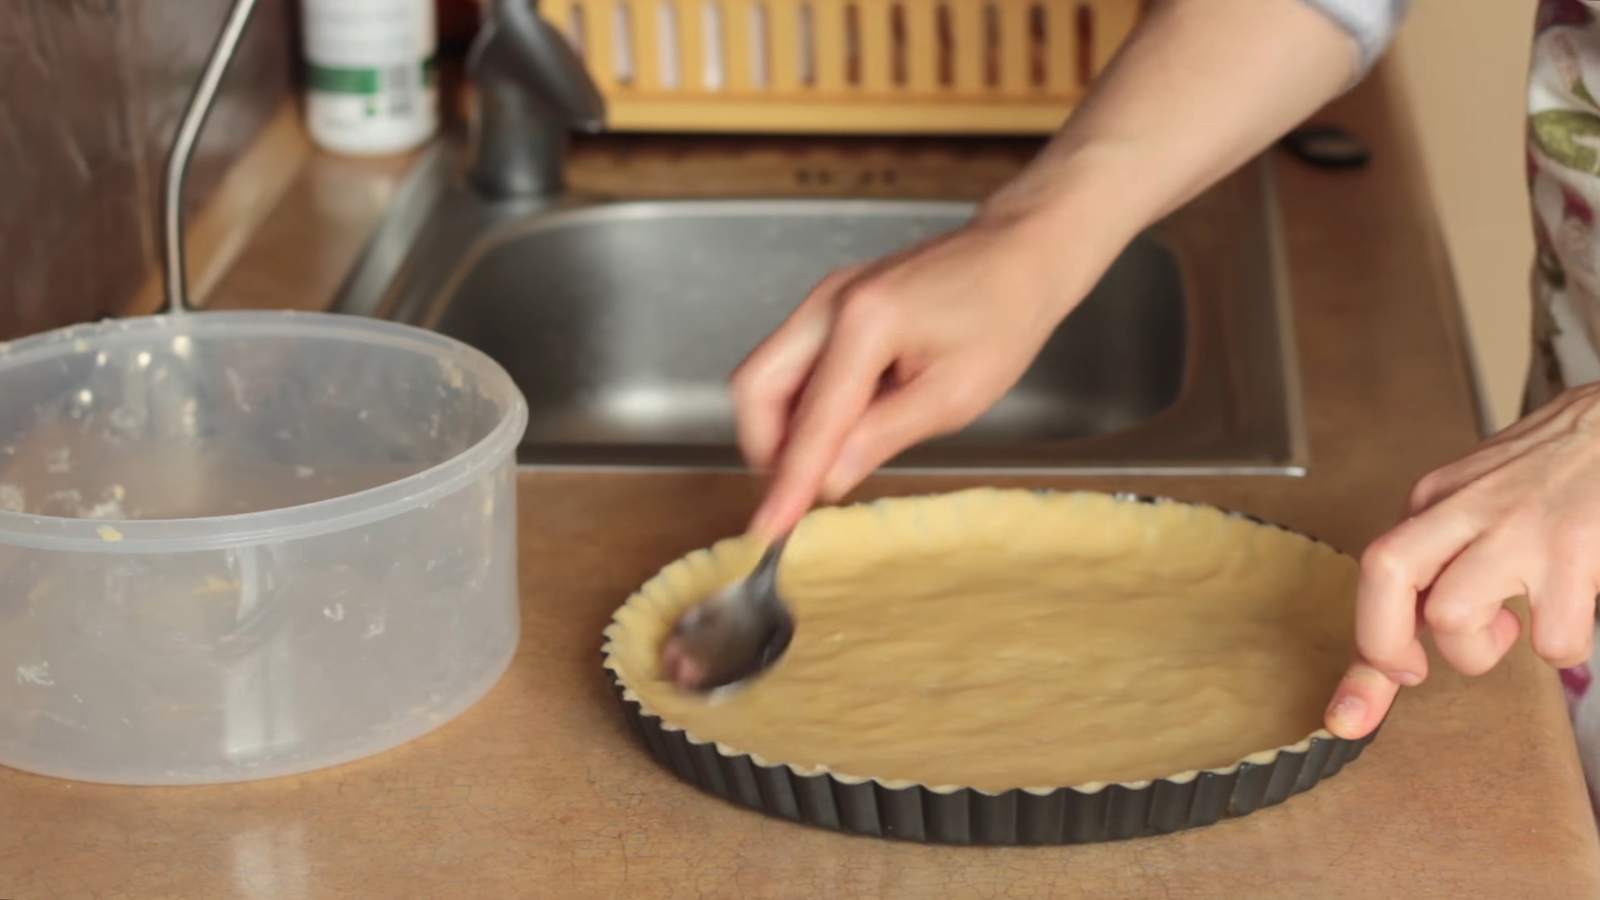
[(1472, 791)]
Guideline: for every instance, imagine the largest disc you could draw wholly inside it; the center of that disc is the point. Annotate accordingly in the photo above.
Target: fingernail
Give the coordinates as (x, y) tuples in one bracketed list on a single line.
[(1348, 710), (1400, 676)]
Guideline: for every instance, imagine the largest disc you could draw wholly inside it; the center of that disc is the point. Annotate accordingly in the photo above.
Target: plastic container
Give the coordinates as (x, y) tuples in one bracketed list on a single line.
[(242, 545), (370, 74)]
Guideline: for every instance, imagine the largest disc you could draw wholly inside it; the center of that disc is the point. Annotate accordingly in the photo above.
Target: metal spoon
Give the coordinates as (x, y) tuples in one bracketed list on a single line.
[(733, 635)]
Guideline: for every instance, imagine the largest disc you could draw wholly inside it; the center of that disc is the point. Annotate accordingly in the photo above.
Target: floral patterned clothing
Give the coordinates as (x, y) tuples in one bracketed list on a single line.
[(1563, 171)]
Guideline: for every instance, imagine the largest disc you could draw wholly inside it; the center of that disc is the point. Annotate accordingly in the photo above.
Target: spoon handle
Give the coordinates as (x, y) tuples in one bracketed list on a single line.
[(764, 580)]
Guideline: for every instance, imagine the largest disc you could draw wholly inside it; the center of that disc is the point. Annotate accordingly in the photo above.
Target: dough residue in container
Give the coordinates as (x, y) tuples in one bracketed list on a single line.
[(1005, 639)]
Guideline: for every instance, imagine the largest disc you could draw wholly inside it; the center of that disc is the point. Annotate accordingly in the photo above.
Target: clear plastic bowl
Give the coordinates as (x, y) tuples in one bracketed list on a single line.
[(243, 545)]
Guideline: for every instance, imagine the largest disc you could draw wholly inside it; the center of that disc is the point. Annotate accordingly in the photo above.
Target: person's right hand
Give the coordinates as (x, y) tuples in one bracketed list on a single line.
[(885, 354)]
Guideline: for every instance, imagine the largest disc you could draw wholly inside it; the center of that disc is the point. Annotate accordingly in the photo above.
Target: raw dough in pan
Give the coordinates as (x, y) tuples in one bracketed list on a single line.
[(1001, 639)]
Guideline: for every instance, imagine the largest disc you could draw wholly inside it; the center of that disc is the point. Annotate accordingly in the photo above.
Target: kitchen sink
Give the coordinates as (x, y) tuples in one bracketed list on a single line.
[(620, 319)]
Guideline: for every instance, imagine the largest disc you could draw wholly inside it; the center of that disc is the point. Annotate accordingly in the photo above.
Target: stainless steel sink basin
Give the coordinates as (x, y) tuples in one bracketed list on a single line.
[(621, 321)]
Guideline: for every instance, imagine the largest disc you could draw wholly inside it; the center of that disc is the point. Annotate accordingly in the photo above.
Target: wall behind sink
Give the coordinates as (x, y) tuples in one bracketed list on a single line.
[(90, 94), (1463, 70)]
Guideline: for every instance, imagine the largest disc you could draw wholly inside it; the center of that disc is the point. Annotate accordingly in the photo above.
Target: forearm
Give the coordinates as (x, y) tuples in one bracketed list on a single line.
[(1198, 89)]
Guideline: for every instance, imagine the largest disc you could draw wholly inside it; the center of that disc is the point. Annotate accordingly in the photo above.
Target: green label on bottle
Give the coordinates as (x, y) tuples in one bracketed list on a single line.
[(343, 81), (369, 82)]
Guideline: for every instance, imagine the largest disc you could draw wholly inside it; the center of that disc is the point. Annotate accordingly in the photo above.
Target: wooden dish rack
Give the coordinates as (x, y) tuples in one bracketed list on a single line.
[(843, 66)]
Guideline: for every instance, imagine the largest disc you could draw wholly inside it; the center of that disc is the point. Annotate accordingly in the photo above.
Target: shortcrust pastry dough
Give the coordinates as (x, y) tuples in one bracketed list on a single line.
[(999, 639)]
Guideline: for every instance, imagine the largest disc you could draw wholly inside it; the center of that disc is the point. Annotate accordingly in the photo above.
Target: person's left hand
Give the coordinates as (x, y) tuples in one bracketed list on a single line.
[(1519, 517)]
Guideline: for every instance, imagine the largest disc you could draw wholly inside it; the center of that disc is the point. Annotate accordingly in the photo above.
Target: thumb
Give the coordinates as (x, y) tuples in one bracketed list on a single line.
[(933, 403), (1360, 702)]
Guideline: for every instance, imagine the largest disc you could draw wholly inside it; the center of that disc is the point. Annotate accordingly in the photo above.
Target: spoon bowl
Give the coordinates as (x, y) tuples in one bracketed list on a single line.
[(735, 634)]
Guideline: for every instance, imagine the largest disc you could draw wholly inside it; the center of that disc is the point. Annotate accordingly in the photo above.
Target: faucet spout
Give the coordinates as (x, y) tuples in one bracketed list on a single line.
[(533, 90)]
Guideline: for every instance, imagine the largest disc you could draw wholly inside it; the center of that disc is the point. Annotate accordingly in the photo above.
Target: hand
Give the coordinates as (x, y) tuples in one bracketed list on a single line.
[(883, 355), (1520, 517)]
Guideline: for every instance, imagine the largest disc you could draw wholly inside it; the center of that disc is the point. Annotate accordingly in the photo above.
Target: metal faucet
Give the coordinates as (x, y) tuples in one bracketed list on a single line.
[(533, 90)]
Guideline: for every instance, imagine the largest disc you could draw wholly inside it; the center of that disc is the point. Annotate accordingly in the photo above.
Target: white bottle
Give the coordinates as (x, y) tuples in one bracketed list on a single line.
[(371, 87)]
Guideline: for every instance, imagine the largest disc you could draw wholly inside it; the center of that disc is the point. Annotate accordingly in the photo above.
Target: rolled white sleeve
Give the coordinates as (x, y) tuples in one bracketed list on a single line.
[(1371, 24)]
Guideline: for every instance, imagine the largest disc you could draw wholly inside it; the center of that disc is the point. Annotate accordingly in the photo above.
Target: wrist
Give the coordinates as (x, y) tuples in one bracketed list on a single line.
[(1069, 217)]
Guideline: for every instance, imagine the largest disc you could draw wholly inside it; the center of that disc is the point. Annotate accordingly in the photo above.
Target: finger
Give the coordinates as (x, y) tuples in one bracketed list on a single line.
[(930, 404), (1465, 608), (1394, 569), (834, 399), (1360, 701), (1478, 652), (1562, 616), (764, 390), (765, 384)]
